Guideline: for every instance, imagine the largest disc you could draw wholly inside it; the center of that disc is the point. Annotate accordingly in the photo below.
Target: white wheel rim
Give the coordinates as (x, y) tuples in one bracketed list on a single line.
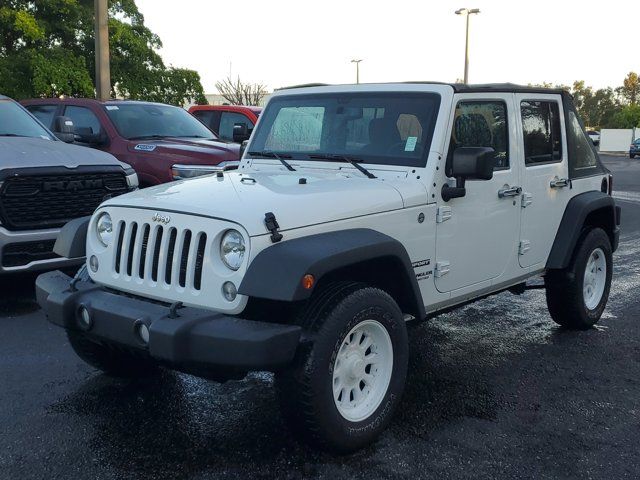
[(362, 370), (595, 278)]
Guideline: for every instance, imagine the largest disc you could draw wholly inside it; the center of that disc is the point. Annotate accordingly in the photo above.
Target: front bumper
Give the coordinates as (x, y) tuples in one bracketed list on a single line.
[(195, 340), (33, 259)]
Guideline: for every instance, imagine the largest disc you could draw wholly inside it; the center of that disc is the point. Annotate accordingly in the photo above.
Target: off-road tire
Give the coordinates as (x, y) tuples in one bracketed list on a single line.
[(564, 288), (112, 361), (305, 389)]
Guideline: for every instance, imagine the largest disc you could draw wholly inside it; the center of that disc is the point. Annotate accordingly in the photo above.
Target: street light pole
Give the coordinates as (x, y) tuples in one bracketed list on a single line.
[(357, 62), (101, 33), (467, 12)]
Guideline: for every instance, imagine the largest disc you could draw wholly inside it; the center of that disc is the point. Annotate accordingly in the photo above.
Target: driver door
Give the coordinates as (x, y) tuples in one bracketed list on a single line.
[(477, 235)]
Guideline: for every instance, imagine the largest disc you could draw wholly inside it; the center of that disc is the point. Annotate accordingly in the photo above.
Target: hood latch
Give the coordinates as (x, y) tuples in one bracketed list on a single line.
[(272, 225)]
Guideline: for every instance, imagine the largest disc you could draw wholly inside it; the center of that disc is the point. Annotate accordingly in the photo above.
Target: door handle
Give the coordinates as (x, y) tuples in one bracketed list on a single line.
[(559, 182), (508, 191)]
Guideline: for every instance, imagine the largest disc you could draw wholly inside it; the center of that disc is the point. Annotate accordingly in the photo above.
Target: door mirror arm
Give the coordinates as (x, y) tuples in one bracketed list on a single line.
[(448, 192)]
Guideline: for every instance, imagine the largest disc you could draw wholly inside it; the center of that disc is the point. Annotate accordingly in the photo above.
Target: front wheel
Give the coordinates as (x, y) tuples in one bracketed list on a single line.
[(577, 296), (342, 391)]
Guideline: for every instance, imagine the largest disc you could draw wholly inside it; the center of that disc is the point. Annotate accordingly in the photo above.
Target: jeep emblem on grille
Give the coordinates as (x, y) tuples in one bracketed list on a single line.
[(158, 217)]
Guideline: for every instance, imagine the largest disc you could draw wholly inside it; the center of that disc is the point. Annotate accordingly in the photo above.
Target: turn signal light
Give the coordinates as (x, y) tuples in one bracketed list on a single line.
[(308, 281)]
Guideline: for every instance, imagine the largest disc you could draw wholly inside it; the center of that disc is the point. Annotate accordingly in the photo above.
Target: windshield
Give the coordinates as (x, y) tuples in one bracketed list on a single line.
[(139, 121), (378, 128), (16, 122)]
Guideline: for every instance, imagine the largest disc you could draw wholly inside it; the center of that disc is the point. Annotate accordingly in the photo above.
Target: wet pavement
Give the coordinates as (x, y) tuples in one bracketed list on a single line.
[(494, 390)]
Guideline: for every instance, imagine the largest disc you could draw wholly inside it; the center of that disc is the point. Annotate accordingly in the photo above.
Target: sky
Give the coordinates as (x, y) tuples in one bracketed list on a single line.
[(284, 42)]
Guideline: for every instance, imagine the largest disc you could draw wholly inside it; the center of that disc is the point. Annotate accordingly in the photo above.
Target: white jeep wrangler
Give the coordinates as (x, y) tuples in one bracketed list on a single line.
[(354, 210)]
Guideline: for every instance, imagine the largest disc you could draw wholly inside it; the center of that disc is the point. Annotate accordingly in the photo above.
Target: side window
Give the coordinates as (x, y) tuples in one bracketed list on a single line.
[(228, 120), (542, 132), (82, 117), (481, 124), (582, 154), (205, 116), (44, 113)]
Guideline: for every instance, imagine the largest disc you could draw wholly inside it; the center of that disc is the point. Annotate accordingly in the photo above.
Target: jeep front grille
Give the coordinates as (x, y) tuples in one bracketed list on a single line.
[(29, 202), (160, 254)]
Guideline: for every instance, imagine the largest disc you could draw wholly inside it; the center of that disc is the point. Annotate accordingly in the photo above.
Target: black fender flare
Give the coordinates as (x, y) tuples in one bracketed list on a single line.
[(573, 220), (276, 272), (72, 239)]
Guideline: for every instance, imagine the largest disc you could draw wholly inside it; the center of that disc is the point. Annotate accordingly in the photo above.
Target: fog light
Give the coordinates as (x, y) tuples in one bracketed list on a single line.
[(84, 318), (229, 291), (93, 263), (142, 331)]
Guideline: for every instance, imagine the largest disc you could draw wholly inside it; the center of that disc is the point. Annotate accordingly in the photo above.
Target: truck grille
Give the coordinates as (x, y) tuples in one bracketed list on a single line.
[(160, 254), (30, 202)]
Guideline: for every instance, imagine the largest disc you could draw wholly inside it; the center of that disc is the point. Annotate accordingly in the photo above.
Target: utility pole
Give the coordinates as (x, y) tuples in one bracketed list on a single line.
[(467, 12), (357, 62), (103, 68)]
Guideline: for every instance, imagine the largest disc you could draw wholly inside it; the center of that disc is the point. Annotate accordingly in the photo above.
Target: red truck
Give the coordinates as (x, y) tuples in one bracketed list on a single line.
[(161, 142), (226, 120)]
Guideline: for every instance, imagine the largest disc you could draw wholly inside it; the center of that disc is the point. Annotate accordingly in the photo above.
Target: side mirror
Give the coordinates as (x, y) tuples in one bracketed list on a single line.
[(86, 135), (240, 132), (243, 147), (469, 163), (63, 129)]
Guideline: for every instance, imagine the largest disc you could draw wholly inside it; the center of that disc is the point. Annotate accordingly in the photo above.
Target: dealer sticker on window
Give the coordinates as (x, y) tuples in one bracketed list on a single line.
[(410, 146)]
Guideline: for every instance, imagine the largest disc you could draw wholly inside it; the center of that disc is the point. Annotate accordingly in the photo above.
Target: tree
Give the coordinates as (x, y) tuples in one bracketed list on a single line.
[(238, 93), (630, 89), (627, 117), (42, 55)]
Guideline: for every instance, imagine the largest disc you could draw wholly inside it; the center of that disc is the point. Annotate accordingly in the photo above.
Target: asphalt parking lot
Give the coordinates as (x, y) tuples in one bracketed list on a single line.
[(494, 390)]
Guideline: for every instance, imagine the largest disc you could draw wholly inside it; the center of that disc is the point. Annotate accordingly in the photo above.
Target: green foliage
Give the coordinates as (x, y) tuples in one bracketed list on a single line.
[(47, 49), (630, 89), (627, 117)]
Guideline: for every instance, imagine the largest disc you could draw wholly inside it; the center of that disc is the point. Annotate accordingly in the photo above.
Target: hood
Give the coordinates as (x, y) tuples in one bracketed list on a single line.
[(198, 148), (244, 198), (24, 152)]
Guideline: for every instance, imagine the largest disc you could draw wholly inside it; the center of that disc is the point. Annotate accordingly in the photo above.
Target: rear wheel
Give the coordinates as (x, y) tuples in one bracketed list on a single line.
[(112, 361), (577, 296), (343, 388)]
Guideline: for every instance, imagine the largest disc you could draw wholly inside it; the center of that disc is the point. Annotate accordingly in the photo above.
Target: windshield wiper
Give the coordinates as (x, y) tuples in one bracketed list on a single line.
[(194, 136), (148, 137), (353, 161), (276, 156), (11, 135)]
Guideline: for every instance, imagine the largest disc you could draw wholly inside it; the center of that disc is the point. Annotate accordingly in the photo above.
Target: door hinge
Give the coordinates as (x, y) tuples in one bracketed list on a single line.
[(443, 214), (524, 247), (442, 268), (527, 199)]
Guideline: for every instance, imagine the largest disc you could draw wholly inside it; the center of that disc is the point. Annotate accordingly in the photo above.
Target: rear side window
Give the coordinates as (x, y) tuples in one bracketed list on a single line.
[(583, 154), (481, 124), (542, 132), (44, 113), (82, 117)]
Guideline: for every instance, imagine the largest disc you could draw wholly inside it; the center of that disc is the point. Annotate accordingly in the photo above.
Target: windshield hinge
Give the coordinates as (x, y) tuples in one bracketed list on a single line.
[(272, 225)]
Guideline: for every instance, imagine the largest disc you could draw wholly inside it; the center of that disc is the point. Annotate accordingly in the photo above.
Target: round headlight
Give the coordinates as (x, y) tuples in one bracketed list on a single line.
[(104, 229), (232, 249)]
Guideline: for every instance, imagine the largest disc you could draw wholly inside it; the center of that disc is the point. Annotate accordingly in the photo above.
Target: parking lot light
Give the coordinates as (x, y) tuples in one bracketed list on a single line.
[(467, 12)]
